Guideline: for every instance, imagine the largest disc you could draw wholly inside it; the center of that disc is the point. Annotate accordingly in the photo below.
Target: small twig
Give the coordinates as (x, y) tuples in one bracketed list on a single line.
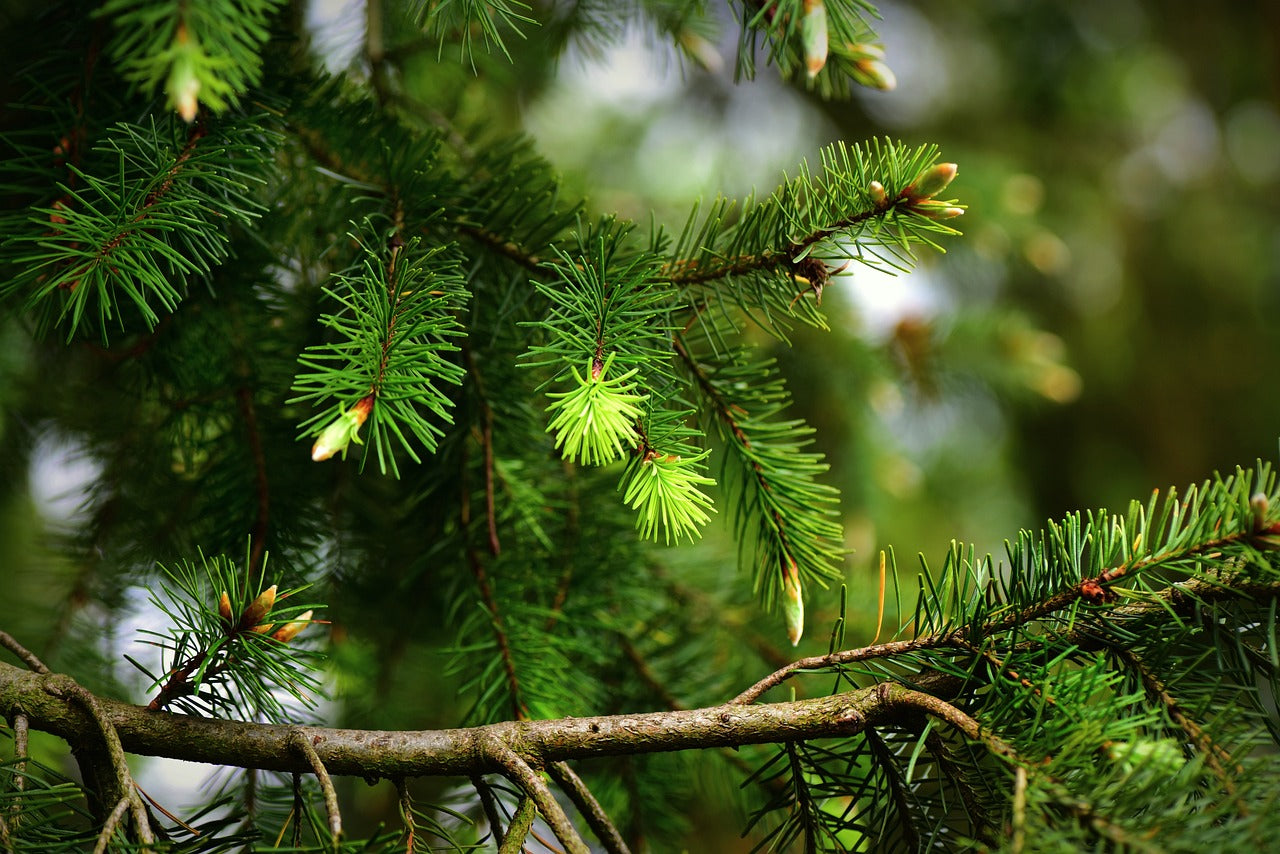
[(6, 840), (326, 784), (20, 753), (249, 799), (490, 805), (28, 657), (299, 807), (63, 686), (518, 830), (164, 812), (160, 807), (109, 827), (535, 787), (544, 842), (847, 656), (597, 819), (406, 814)]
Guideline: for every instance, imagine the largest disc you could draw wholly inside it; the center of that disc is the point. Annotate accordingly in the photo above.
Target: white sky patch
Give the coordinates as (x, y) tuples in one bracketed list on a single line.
[(337, 31), (918, 59), (60, 476), (880, 300), (630, 73)]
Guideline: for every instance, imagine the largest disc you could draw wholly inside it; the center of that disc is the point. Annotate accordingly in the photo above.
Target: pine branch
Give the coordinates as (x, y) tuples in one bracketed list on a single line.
[(573, 786), (299, 740), (783, 513), (393, 335), (461, 752), (870, 204), (204, 53), (150, 215)]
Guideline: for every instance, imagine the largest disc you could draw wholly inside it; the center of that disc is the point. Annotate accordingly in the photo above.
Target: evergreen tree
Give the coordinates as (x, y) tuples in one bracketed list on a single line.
[(522, 413)]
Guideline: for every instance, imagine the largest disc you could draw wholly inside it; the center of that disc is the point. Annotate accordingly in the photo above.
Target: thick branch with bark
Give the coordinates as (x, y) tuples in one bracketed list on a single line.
[(462, 752)]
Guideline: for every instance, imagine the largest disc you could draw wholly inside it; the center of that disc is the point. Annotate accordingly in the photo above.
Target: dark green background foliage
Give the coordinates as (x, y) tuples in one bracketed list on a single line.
[(477, 206)]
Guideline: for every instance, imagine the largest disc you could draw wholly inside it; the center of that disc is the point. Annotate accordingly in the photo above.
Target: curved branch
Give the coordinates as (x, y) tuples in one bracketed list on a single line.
[(571, 784), (109, 827), (521, 825), (28, 657), (461, 752), (520, 772), (1179, 598), (299, 738), (66, 689)]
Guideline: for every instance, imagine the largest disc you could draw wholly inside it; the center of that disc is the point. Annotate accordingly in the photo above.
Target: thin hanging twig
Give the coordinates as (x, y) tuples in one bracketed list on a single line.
[(523, 775), (521, 824), (326, 784), (406, 814), (490, 805), (597, 819), (20, 753), (64, 686), (109, 827)]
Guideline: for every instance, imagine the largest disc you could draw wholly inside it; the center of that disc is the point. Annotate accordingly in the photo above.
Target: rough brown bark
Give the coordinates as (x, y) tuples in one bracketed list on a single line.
[(373, 753)]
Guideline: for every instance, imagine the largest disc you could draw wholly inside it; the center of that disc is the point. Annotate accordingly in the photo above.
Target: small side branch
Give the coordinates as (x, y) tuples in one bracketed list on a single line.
[(27, 656), (326, 784), (109, 827), (521, 826), (490, 805), (20, 754), (67, 688), (406, 815), (571, 784), (522, 774), (846, 656)]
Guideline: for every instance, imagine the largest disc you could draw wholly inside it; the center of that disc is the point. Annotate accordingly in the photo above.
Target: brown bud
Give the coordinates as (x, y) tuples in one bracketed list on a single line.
[(258, 608), (792, 602), (938, 212), (813, 34), (874, 73), (224, 608), (931, 182), (290, 630)]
